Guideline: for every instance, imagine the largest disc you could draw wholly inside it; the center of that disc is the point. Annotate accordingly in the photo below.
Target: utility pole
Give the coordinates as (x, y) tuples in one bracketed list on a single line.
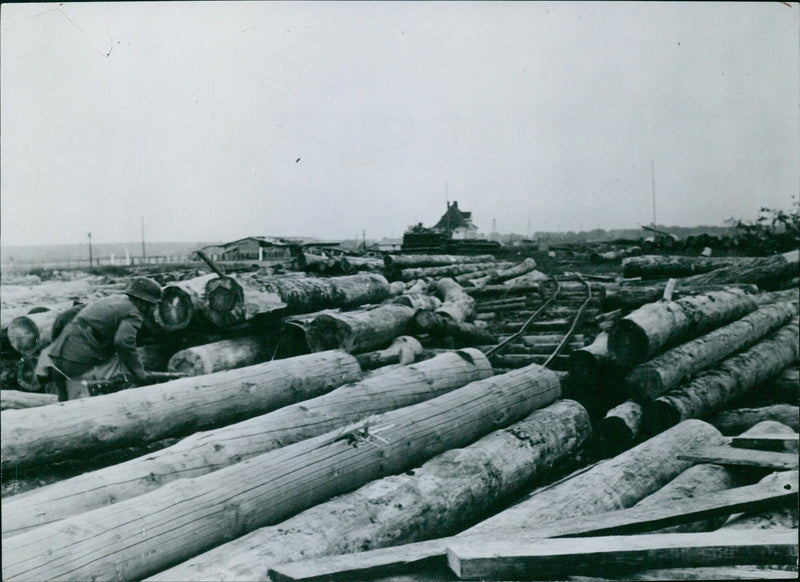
[(653, 180), (89, 234), (144, 254)]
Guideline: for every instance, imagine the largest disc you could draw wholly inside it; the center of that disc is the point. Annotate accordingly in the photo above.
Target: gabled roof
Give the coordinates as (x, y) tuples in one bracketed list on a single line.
[(454, 218)]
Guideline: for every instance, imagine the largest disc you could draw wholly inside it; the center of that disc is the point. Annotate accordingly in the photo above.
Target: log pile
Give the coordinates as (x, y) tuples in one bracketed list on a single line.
[(382, 428)]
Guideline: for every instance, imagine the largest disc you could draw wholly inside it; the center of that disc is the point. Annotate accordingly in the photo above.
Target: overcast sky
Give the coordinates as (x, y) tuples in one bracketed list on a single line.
[(218, 120)]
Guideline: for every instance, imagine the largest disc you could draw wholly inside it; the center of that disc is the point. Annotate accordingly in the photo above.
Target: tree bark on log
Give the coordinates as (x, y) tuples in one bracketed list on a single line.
[(403, 350), (418, 301), (439, 326), (786, 517), (711, 391), (133, 417), (734, 422), (766, 272), (654, 327), (447, 271), (519, 270), (356, 264), (14, 399), (442, 496), (30, 333), (306, 295), (633, 297), (407, 261), (190, 516), (456, 304), (616, 483), (664, 267), (223, 355), (790, 295), (534, 278), (651, 379), (202, 453), (487, 274), (358, 331)]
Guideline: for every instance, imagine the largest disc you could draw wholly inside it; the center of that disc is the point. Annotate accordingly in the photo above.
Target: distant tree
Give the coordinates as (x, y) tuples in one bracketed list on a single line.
[(774, 231)]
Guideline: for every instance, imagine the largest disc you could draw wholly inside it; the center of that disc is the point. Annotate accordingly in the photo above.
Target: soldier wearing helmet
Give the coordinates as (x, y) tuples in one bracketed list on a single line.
[(100, 341)]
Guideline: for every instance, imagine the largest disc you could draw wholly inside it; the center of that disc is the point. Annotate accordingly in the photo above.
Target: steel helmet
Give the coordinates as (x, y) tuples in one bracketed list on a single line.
[(144, 289)]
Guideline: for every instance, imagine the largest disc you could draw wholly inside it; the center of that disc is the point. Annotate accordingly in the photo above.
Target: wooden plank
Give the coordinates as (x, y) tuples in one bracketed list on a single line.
[(633, 520), (522, 560), (731, 456), (767, 442)]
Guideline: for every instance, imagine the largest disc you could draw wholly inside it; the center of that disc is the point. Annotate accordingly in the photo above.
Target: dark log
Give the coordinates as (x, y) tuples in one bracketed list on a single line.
[(733, 422), (553, 558), (438, 326), (615, 483), (222, 355), (500, 291), (190, 516), (651, 329), (359, 331), (14, 399), (306, 295), (715, 389), (406, 261), (134, 417), (403, 350), (204, 452), (651, 379), (665, 266), (619, 428), (765, 272), (785, 387), (443, 495)]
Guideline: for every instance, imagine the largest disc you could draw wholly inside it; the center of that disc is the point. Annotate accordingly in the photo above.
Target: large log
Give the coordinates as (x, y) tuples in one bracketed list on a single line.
[(767, 272), (355, 264), (616, 483), (223, 355), (15, 399), (418, 301), (554, 558), (403, 350), (619, 428), (790, 295), (131, 417), (438, 326), (30, 333), (180, 303), (666, 266), (202, 453), (358, 331), (651, 379), (785, 517), (447, 271), (456, 303), (443, 495), (190, 516), (732, 422), (406, 261), (634, 296), (715, 389), (308, 294), (654, 327), (485, 276)]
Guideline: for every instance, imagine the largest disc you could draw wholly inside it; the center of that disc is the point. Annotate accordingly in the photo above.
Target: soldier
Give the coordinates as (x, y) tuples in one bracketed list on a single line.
[(99, 343)]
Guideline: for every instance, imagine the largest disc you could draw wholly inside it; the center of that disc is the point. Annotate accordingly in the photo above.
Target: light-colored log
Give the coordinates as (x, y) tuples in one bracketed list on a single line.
[(15, 399), (765, 272), (407, 261), (85, 426), (619, 428), (204, 452), (309, 294), (442, 495), (665, 372), (223, 355), (445, 271), (190, 516), (456, 303), (654, 327), (358, 331), (403, 350)]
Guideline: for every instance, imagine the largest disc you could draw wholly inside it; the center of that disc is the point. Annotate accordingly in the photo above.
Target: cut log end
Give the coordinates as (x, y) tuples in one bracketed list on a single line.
[(660, 415), (628, 343), (327, 333), (584, 367), (188, 362), (644, 384), (174, 311), (23, 335)]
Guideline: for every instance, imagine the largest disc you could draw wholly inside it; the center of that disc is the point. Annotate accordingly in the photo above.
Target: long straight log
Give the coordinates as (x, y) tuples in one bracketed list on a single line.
[(733, 422), (358, 331), (616, 483), (664, 267), (651, 379), (711, 391), (308, 294), (446, 271), (766, 272), (651, 329), (790, 295), (15, 399), (202, 453), (131, 417), (490, 274), (554, 558), (528, 279), (190, 516), (633, 297), (443, 495), (407, 261), (223, 355)]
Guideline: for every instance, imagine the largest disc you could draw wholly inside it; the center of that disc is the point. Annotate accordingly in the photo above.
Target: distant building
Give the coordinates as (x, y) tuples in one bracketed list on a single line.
[(260, 248), (457, 223)]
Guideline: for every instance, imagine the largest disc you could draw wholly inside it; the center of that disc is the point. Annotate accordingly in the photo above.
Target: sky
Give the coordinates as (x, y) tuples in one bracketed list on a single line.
[(220, 120)]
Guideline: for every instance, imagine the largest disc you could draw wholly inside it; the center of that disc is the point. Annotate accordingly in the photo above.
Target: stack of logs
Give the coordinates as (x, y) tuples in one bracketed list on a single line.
[(348, 428)]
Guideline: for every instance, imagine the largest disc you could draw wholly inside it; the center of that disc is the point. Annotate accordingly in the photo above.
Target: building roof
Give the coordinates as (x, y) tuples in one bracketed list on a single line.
[(455, 218)]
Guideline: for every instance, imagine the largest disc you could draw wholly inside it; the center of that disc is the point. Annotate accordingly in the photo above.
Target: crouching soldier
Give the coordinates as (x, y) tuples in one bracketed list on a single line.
[(99, 343)]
